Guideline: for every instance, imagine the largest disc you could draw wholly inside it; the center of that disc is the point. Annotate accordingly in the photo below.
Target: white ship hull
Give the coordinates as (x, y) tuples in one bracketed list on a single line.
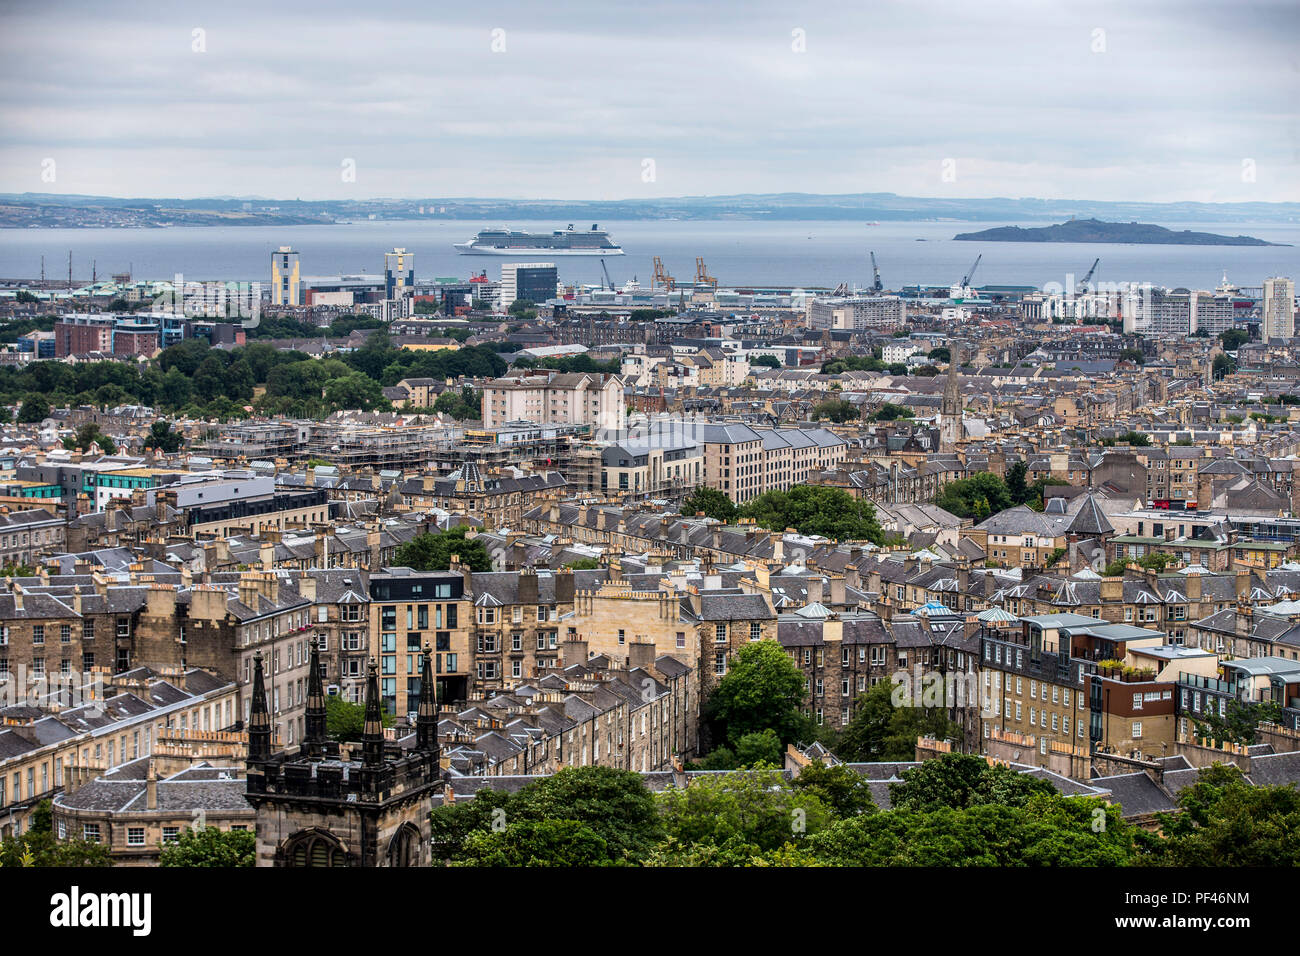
[(470, 249)]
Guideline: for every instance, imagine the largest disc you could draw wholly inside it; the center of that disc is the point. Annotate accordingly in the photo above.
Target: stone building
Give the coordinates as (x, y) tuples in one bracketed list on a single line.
[(319, 806)]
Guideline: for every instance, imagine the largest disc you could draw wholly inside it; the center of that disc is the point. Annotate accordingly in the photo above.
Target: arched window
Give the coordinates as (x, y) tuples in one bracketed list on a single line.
[(404, 848), (313, 848)]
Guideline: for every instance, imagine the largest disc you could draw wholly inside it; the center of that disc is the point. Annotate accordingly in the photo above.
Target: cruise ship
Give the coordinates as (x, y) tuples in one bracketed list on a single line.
[(561, 242)]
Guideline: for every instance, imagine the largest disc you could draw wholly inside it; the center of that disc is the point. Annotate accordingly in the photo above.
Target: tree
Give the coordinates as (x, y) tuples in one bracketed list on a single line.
[(736, 816), (1224, 365), (836, 409), (762, 690), (711, 502), (1239, 722), (34, 410), (536, 843), (432, 552), (345, 721), (1233, 339), (940, 354), (959, 781), (1115, 569), (817, 510), (842, 790), (1049, 830), (1015, 482), (38, 847), (889, 412), (163, 438), (87, 435), (1132, 355), (1224, 821), (583, 564), (975, 497), (609, 816), (208, 846), (881, 731), (766, 361), (1156, 561)]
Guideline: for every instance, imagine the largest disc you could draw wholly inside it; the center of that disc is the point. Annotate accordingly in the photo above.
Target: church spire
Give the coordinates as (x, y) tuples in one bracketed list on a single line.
[(259, 717), (426, 721), (372, 731), (315, 731)]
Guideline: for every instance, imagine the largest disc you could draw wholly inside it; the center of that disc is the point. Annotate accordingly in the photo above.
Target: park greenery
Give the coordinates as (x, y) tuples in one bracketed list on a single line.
[(955, 810), (194, 380)]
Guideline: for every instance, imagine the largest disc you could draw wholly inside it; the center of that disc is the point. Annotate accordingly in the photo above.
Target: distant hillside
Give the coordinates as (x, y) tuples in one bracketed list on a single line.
[(54, 210), (1094, 230)]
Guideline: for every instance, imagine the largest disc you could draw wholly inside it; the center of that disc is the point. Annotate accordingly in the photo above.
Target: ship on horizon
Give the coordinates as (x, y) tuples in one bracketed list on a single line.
[(561, 242)]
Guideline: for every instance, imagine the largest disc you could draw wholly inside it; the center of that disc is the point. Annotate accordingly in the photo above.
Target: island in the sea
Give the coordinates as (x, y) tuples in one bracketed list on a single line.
[(1095, 230)]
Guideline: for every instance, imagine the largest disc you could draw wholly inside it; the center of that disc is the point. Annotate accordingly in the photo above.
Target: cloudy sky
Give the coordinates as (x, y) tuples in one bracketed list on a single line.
[(1154, 100)]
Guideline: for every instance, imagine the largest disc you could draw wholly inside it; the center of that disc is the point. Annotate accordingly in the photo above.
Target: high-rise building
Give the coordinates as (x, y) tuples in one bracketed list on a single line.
[(1278, 316), (859, 313), (532, 281), (286, 277), (399, 274)]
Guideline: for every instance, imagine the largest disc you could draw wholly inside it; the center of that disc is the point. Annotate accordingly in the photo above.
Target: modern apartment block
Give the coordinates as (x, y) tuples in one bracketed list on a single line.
[(862, 312), (1278, 312), (399, 274), (286, 277), (410, 609)]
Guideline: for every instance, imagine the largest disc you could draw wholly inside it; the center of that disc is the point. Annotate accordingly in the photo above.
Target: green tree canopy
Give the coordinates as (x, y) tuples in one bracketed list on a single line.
[(608, 817), (432, 552), (761, 691), (836, 409), (816, 509), (209, 846), (880, 731), (976, 497), (711, 502)]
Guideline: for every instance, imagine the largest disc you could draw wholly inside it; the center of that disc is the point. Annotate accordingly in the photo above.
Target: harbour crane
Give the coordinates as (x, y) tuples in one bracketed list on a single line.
[(662, 281), (608, 281), (875, 272), (1088, 278), (965, 282), (702, 278)]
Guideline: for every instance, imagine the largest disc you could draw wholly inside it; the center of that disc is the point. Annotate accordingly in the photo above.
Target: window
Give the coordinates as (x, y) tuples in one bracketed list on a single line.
[(171, 834), (38, 633), (755, 630), (622, 637), (1137, 701), (90, 832), (681, 639), (1137, 729), (135, 836), (65, 633), (720, 633)]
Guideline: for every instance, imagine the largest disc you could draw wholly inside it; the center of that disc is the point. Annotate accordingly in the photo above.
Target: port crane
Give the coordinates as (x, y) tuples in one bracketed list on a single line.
[(662, 280), (875, 272), (702, 278), (608, 281), (1083, 283), (965, 282)]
